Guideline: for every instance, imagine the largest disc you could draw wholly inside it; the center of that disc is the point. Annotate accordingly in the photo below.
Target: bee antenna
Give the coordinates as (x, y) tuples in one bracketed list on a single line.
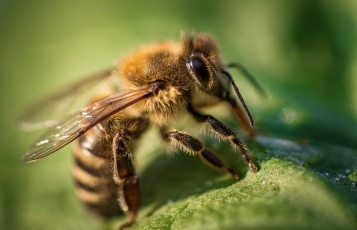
[(239, 96), (249, 76)]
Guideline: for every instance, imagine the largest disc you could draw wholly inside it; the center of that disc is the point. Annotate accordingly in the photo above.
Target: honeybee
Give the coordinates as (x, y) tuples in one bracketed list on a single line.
[(157, 84)]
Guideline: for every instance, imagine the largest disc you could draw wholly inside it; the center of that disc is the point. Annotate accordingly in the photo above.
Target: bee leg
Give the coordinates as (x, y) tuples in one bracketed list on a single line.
[(226, 133), (124, 175), (241, 117), (195, 147)]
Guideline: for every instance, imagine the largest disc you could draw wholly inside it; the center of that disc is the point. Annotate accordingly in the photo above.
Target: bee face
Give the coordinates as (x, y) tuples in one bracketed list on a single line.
[(185, 70), (206, 77), (157, 83), (203, 64)]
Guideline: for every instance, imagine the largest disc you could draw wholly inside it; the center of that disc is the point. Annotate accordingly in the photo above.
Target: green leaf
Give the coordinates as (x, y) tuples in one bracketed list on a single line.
[(306, 186)]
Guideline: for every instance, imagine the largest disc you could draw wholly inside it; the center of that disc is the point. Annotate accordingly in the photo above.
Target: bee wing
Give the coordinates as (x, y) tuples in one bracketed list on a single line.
[(76, 124), (48, 111)]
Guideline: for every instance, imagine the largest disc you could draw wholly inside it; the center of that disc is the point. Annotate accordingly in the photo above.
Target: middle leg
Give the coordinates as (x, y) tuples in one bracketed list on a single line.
[(227, 133), (195, 147)]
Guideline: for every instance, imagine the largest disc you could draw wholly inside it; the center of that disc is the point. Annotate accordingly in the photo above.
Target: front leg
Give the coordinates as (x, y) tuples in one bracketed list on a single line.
[(124, 175), (226, 133)]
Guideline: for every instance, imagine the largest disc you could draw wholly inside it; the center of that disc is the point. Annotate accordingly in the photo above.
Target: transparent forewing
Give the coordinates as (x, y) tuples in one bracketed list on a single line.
[(49, 111), (75, 125)]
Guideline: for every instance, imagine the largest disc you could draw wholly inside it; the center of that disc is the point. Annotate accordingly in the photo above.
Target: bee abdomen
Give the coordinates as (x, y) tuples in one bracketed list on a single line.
[(94, 184)]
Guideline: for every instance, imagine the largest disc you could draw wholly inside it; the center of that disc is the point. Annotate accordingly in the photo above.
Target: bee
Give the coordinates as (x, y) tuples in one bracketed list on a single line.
[(155, 85)]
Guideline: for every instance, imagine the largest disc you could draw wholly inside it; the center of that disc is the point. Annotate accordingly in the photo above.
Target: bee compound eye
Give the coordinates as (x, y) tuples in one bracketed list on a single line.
[(199, 69)]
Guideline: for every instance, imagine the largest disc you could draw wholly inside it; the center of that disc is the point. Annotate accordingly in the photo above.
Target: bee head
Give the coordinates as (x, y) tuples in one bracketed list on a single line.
[(200, 54)]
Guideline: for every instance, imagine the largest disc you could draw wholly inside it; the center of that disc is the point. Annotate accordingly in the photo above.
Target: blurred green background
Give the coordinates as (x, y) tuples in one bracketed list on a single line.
[(302, 52)]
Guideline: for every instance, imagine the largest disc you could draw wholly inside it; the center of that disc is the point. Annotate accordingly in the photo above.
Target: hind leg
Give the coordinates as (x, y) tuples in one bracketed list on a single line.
[(126, 178)]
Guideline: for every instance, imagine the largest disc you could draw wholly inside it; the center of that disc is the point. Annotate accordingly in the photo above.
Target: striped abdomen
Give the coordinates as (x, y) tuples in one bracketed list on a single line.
[(93, 175)]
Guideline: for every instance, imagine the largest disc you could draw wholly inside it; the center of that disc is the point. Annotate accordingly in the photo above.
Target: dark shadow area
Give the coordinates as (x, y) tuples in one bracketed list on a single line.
[(172, 178)]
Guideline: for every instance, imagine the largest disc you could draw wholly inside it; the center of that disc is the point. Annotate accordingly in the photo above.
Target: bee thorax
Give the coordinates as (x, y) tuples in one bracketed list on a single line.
[(165, 105)]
